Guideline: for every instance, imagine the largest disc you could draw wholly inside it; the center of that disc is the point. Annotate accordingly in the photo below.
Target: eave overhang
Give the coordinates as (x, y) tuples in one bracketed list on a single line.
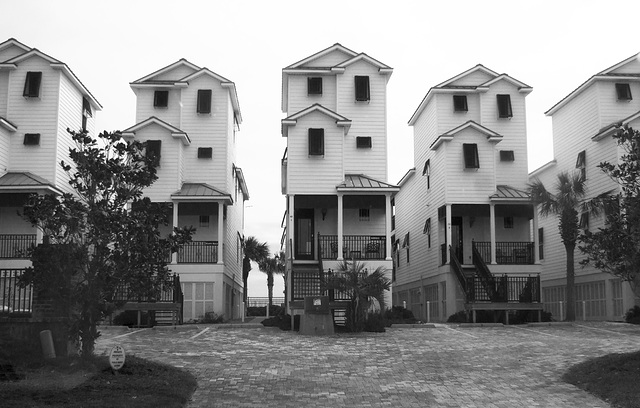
[(492, 136), (176, 133)]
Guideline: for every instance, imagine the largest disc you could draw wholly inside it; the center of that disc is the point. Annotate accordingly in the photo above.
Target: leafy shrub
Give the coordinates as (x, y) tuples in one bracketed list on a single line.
[(283, 322), (459, 317), (130, 318), (633, 315), (212, 317), (398, 314), (375, 322)]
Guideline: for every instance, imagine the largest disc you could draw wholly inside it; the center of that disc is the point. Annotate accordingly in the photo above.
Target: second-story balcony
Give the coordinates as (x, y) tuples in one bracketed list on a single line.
[(354, 246), (199, 252)]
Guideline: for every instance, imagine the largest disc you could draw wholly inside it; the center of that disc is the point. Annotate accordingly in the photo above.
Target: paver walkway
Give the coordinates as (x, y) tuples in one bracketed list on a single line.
[(445, 366)]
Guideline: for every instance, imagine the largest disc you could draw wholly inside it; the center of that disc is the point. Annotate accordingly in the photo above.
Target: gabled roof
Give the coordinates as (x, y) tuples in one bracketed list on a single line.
[(613, 127), (407, 176), (54, 63), (319, 54), (316, 107), (607, 74), (12, 42), (175, 132), (8, 125), (362, 183), (508, 193), (448, 87), (382, 68), (149, 81), (543, 168), (27, 182), (201, 192), (447, 136), (243, 183)]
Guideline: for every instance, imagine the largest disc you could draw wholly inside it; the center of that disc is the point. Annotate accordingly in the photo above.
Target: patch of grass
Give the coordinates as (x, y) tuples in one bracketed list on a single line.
[(613, 378), (76, 383)]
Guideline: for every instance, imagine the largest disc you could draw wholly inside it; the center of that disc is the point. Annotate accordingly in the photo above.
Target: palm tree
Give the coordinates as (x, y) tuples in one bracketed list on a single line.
[(353, 278), (272, 266), (253, 251), (566, 203)]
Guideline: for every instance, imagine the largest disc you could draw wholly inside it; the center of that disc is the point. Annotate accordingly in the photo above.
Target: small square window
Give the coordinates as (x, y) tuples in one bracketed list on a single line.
[(363, 142), (624, 92), (460, 103), (471, 160), (204, 221), (161, 99), (314, 86), (205, 152), (508, 222), (31, 139), (506, 155), (204, 101), (153, 150), (504, 106), (32, 84), (316, 142), (362, 88), (363, 214)]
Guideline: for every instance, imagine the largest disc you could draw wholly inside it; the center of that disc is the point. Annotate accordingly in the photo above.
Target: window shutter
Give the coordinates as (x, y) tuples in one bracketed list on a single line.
[(460, 103), (471, 160), (362, 88), (506, 155), (161, 99), (363, 142), (316, 142), (314, 86), (205, 152), (624, 92), (204, 101), (504, 106), (31, 139), (32, 84)]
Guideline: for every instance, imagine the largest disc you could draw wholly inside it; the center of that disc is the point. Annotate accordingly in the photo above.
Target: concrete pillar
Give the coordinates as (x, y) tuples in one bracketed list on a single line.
[(448, 232), (340, 227), (492, 227), (388, 226), (221, 236)]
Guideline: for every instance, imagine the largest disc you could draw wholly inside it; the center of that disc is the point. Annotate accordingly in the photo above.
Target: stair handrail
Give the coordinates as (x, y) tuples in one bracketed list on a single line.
[(457, 269), (486, 277)]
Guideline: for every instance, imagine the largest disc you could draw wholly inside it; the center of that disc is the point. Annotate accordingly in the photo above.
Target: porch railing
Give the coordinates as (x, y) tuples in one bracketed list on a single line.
[(312, 283), (15, 246), (354, 246), (171, 292), (512, 289), (199, 252), (507, 253), (15, 299)]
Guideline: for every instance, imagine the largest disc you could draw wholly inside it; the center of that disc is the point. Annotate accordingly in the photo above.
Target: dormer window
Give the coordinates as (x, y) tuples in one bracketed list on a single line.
[(32, 85), (504, 106), (470, 152), (314, 86), (362, 88), (460, 103), (204, 101), (160, 99), (363, 142), (624, 92)]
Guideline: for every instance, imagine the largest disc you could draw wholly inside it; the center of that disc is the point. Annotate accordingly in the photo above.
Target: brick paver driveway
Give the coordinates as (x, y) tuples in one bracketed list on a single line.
[(442, 366)]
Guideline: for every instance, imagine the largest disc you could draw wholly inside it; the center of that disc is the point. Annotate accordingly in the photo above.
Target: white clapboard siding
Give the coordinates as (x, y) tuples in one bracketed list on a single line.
[(145, 108), (34, 115), (315, 174), (170, 151), (175, 74), (4, 91), (424, 133), (610, 108), (4, 149), (448, 119), (329, 60), (475, 78), (299, 98)]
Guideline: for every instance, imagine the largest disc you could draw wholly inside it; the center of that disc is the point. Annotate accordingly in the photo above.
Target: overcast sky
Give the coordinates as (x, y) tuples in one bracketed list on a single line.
[(552, 46)]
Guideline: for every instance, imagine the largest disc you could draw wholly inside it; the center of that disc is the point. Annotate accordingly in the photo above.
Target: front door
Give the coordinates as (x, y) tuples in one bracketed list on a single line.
[(304, 234), (456, 238)]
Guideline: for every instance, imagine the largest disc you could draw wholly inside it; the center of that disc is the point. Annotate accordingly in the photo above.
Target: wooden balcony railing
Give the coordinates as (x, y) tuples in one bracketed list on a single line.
[(15, 299), (313, 283), (512, 289), (507, 253), (199, 252), (15, 246), (354, 246)]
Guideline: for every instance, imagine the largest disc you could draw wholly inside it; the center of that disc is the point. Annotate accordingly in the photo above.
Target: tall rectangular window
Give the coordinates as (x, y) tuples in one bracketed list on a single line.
[(427, 172), (314, 86), (86, 112), (427, 230), (153, 150), (405, 244), (460, 103), (581, 164), (204, 101), (471, 160), (363, 214), (624, 92), (32, 84), (541, 243), (584, 221), (316, 142), (362, 88), (204, 221), (160, 99), (504, 106)]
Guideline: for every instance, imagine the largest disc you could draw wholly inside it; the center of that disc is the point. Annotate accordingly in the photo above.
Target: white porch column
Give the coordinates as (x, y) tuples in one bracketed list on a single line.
[(291, 227), (492, 228), (340, 229), (536, 238), (448, 232), (221, 232), (387, 200), (174, 256), (39, 236)]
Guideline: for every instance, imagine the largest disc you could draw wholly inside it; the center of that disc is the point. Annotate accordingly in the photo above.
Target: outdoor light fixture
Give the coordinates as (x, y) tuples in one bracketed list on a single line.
[(324, 213)]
